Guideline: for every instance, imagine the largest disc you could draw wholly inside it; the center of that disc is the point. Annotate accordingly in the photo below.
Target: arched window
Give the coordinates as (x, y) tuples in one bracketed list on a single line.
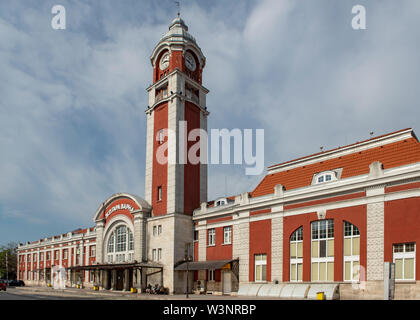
[(130, 240), (111, 243), (322, 250), (121, 233), (120, 246), (296, 255), (351, 252)]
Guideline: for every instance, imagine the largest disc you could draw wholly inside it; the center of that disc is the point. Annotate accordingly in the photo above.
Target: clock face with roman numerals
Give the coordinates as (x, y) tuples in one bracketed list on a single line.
[(164, 62), (190, 62)]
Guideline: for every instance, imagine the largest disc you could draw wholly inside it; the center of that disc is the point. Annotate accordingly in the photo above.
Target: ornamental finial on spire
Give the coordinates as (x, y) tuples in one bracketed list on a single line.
[(178, 4)]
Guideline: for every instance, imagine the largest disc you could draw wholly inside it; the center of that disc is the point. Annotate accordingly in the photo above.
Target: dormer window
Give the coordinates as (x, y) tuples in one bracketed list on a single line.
[(220, 202), (325, 176)]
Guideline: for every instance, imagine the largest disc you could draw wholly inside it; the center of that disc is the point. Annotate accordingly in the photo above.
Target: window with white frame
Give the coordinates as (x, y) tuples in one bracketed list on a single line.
[(92, 251), (296, 255), (159, 254), (159, 195), (325, 176), (65, 254), (130, 241), (120, 246), (212, 237), (322, 250), (154, 230), (154, 257), (212, 275), (227, 235), (121, 234), (161, 136), (34, 257), (351, 252), (159, 229), (260, 267), (405, 261), (111, 241)]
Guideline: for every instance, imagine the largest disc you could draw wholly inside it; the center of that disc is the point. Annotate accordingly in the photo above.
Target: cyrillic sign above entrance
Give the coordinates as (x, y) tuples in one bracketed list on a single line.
[(122, 206)]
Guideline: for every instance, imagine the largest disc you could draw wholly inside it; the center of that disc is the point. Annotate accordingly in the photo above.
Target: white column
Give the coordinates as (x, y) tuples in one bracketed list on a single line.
[(241, 248), (149, 156), (277, 249), (139, 237), (375, 234), (203, 166), (99, 241), (176, 113)]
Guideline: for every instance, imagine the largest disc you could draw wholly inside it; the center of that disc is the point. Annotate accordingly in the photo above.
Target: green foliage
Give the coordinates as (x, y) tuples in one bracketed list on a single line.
[(10, 251)]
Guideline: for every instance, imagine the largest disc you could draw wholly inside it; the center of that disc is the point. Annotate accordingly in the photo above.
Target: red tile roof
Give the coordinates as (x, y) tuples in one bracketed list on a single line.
[(391, 155)]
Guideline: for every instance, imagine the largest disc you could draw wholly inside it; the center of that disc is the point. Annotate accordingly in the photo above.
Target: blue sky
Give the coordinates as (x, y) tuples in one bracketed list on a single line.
[(72, 123)]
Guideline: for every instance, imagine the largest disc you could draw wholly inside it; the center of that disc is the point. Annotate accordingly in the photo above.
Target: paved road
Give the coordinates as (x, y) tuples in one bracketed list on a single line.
[(13, 294), (44, 293)]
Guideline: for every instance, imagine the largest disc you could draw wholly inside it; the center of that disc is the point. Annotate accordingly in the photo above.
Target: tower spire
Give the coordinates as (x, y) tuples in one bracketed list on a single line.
[(178, 4)]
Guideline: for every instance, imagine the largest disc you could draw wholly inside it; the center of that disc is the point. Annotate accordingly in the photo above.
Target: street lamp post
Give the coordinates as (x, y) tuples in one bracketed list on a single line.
[(187, 259), (187, 276)]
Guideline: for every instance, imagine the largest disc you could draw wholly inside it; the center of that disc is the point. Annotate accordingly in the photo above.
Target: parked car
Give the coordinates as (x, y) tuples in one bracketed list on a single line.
[(3, 285), (16, 283)]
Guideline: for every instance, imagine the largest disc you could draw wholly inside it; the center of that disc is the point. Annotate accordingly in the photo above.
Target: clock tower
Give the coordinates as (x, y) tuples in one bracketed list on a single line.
[(174, 185), (177, 105)]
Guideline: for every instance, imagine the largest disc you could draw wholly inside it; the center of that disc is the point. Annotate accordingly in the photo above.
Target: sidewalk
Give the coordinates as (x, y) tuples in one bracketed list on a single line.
[(112, 295)]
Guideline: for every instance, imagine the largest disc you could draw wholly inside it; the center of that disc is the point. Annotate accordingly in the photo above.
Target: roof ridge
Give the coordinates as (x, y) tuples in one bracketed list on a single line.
[(343, 147)]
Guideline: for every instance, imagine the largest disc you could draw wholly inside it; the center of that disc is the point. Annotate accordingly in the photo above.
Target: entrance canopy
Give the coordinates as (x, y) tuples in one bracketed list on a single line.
[(204, 265)]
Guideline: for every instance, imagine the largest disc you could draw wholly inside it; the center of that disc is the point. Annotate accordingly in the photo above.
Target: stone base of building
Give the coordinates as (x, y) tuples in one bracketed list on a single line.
[(374, 290)]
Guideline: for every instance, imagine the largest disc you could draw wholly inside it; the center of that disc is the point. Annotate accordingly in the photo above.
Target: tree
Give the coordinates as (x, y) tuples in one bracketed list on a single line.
[(11, 267)]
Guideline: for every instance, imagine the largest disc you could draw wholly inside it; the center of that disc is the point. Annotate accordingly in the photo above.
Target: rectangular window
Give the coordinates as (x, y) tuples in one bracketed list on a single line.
[(161, 137), (227, 235), (212, 237), (322, 250), (154, 230), (48, 255), (34, 257), (405, 261), (92, 251), (159, 253), (195, 235), (211, 275), (159, 229), (154, 255), (159, 194), (260, 267), (65, 254)]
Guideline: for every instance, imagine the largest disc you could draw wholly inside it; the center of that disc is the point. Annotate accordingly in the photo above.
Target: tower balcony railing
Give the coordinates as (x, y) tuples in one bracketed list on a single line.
[(193, 97), (160, 96)]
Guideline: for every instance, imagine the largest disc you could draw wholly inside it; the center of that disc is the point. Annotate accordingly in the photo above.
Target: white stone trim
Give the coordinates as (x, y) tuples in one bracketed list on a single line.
[(404, 174), (149, 157)]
